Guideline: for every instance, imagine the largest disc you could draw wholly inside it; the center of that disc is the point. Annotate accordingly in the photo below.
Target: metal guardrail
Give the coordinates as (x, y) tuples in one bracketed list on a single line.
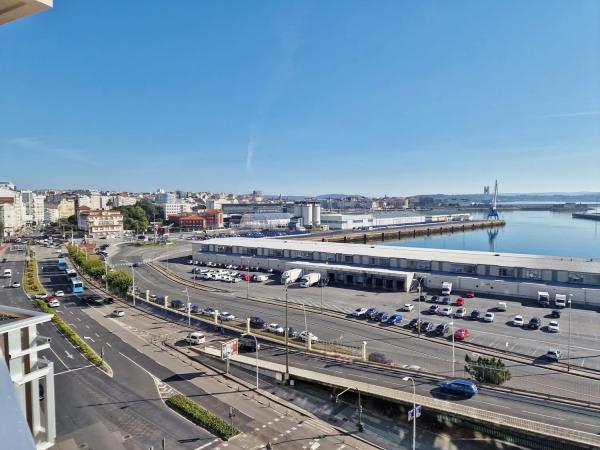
[(519, 424)]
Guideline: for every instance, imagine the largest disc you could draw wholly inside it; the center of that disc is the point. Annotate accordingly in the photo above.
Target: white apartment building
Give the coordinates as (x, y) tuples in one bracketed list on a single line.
[(51, 215), (12, 211), (34, 207), (100, 223), (175, 208), (120, 200)]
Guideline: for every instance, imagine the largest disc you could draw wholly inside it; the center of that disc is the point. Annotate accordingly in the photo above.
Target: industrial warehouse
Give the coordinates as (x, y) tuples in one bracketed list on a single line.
[(400, 268)]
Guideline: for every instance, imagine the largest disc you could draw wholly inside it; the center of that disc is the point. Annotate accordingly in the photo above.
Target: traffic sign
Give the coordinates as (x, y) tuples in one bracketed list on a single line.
[(411, 413)]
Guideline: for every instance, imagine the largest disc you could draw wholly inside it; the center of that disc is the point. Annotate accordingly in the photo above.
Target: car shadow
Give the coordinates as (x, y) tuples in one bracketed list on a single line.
[(438, 393)]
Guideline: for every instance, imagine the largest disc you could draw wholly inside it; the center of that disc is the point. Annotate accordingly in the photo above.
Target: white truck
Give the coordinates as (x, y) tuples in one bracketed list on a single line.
[(7, 273), (289, 276), (543, 299), (446, 288), (560, 300), (310, 279)]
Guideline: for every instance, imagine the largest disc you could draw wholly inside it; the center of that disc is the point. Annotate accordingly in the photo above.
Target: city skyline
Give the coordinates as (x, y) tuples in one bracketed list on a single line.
[(304, 99)]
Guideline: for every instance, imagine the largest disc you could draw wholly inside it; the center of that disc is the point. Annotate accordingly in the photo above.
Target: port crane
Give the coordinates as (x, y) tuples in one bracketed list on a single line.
[(493, 211)]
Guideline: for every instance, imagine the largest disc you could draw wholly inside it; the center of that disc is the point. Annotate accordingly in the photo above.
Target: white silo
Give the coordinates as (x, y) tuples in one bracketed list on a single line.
[(297, 209), (316, 214), (307, 216)]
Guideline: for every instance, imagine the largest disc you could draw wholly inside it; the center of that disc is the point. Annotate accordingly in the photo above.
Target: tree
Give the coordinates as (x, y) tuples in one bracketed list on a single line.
[(487, 370), (134, 218), (1, 229)]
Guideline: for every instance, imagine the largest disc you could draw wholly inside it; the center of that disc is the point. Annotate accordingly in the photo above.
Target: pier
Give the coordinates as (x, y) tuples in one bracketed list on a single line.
[(402, 232), (588, 216)]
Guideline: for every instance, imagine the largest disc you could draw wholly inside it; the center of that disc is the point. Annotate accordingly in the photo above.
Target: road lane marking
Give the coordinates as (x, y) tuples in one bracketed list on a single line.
[(109, 344), (78, 319), (69, 355), (595, 425), (492, 404), (543, 415), (89, 338), (206, 445), (59, 358), (75, 369)]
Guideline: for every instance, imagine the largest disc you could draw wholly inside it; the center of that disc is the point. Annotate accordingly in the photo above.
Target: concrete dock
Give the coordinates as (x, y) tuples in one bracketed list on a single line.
[(589, 216), (403, 232)]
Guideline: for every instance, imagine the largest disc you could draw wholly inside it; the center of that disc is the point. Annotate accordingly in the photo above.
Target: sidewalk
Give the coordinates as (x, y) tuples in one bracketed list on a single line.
[(272, 420)]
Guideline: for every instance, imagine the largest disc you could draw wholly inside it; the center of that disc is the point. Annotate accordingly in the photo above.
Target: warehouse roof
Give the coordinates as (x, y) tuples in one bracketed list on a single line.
[(422, 254)]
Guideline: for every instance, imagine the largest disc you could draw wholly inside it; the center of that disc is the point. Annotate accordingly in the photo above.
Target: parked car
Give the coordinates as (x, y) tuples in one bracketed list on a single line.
[(441, 329), (208, 311), (292, 332), (394, 319), (488, 317), (460, 313), (118, 313), (195, 308), (460, 301), (553, 326), (470, 294), (408, 307), (16, 284), (414, 323), (381, 316), (446, 300), (433, 309), (535, 323), (466, 388), (433, 299), (501, 306), (275, 328), (475, 314), (257, 322), (553, 354), (304, 336), (247, 344), (517, 321), (370, 312), (381, 358), (555, 314), (426, 327), (359, 312), (227, 316), (247, 277), (461, 334), (54, 303), (446, 311), (109, 300), (59, 293)]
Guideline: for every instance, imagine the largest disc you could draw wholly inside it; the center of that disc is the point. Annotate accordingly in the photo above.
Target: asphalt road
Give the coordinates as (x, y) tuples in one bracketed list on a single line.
[(404, 349), (96, 410)]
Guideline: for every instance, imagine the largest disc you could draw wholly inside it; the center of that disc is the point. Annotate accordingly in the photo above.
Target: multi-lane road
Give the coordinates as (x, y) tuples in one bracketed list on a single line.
[(405, 349)]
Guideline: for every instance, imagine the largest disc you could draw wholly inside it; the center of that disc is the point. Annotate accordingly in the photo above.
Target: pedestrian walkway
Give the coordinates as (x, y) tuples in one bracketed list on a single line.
[(265, 418)]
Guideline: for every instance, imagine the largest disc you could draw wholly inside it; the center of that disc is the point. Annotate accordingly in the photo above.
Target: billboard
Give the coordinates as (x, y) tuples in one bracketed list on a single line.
[(229, 348)]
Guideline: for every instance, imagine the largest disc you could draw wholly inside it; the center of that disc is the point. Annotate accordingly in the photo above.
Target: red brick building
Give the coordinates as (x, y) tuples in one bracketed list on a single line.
[(207, 220)]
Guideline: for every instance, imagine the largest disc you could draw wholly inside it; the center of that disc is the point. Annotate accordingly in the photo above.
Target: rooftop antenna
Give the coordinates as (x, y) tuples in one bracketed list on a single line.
[(493, 212)]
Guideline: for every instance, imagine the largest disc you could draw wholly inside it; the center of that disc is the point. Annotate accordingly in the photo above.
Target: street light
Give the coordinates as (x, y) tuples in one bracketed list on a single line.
[(414, 410), (256, 347), (189, 306), (287, 332), (106, 274), (419, 309), (569, 344), (453, 359), (359, 424)]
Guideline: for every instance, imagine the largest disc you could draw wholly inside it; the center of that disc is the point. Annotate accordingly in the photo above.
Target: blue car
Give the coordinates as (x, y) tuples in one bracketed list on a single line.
[(466, 388), (394, 319), (446, 301)]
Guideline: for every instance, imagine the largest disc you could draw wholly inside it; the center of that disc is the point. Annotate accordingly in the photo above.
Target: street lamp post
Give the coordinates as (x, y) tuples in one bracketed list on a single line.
[(359, 424), (287, 332), (419, 310), (133, 280), (106, 274), (189, 306), (322, 287), (453, 359), (414, 410), (256, 347), (569, 343)]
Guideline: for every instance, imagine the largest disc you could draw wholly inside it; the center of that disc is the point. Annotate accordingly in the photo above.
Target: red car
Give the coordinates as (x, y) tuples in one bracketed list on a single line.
[(247, 277), (470, 294), (241, 267), (50, 297), (461, 334), (460, 301)]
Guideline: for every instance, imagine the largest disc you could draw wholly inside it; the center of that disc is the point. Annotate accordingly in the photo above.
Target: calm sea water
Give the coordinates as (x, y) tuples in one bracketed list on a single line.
[(534, 232)]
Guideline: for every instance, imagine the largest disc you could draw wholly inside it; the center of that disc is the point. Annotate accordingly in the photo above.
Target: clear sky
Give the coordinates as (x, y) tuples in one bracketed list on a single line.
[(397, 98)]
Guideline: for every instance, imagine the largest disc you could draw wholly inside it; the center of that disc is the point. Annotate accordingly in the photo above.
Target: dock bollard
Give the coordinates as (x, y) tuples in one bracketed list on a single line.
[(166, 301), (364, 350), (216, 316), (248, 325), (147, 295)]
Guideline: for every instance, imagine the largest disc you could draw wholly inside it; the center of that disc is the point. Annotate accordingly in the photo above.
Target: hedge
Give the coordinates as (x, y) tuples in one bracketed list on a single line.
[(92, 265), (87, 351), (31, 278), (201, 416)]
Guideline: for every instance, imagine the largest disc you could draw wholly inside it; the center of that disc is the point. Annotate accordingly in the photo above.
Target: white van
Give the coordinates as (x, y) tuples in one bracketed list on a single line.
[(7, 273), (195, 338), (560, 300)]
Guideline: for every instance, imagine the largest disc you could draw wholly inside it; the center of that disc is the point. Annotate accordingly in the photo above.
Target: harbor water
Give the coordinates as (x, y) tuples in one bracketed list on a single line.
[(532, 232)]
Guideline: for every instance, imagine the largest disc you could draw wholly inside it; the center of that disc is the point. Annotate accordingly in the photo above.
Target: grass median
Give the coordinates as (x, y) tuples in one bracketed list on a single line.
[(31, 278), (202, 416)]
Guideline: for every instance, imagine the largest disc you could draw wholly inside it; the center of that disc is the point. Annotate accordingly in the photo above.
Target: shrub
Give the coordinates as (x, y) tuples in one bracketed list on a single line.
[(487, 370), (31, 279), (201, 416)]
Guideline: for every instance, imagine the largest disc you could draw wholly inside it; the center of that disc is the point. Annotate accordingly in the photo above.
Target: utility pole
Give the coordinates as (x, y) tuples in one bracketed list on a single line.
[(569, 344), (287, 332)]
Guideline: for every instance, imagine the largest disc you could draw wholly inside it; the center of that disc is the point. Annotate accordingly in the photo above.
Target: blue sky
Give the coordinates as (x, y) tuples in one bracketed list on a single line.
[(397, 98)]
